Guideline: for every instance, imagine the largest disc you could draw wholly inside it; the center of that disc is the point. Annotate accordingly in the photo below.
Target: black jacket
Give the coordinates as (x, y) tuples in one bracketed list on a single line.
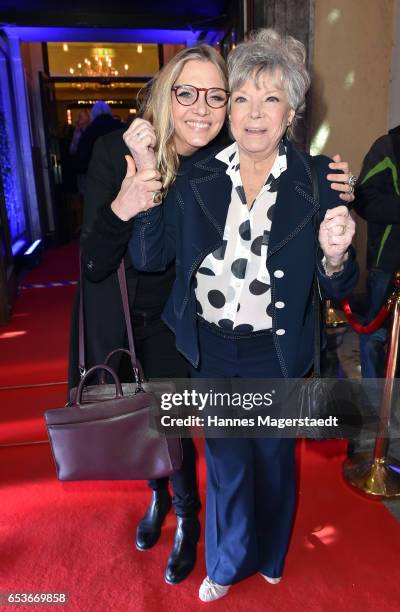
[(102, 125), (104, 240), (378, 201)]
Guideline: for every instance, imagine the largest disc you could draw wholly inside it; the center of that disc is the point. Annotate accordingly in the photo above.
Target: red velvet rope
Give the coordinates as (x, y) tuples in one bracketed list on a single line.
[(371, 327)]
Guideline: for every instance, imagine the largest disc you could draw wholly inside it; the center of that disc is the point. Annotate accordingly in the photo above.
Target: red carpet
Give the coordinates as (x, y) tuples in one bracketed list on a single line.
[(34, 344), (78, 537), (34, 347)]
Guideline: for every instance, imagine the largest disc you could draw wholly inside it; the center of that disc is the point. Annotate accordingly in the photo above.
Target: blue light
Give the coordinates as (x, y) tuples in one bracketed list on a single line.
[(18, 246), (43, 34), (33, 247), (9, 147)]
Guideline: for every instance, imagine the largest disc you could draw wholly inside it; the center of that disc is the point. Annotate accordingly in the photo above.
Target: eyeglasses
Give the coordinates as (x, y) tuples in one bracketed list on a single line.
[(189, 94)]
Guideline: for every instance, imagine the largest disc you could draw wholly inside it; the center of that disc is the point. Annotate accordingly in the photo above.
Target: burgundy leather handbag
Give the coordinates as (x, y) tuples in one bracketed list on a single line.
[(105, 431)]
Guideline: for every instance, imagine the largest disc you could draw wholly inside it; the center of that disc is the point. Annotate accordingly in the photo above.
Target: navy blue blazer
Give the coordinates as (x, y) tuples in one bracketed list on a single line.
[(190, 224)]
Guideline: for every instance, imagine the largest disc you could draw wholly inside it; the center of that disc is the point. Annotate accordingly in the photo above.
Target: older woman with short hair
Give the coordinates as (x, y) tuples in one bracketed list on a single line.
[(240, 226)]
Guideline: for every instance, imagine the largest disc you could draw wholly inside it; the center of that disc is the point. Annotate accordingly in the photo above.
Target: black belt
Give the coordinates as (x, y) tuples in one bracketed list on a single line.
[(232, 334), (142, 319)]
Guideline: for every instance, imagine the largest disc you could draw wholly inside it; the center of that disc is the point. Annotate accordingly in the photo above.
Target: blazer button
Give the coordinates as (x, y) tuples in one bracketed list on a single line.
[(279, 273), (90, 265), (280, 304), (280, 332)]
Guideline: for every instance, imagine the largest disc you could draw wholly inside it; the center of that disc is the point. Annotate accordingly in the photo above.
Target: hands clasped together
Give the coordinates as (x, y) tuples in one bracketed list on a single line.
[(335, 235), (141, 187)]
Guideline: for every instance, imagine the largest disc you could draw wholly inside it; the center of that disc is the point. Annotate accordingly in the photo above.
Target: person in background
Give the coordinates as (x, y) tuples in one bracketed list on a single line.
[(239, 225), (101, 123), (71, 187), (81, 123), (378, 202)]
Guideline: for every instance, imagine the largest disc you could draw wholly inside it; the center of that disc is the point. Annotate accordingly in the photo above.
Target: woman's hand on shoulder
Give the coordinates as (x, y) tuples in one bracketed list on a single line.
[(335, 235), (137, 191), (340, 182), (140, 138)]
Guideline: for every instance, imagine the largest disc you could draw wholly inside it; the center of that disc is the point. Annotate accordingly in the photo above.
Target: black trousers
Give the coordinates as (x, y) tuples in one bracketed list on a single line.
[(155, 346)]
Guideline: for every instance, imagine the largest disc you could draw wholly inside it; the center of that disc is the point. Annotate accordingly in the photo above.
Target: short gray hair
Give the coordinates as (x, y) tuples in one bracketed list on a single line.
[(266, 51)]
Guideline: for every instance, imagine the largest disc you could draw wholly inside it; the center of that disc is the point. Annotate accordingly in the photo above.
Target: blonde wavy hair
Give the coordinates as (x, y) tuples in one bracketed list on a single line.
[(158, 106)]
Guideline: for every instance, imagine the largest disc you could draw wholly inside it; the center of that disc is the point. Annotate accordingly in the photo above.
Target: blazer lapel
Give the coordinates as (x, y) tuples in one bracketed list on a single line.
[(212, 188), (212, 191), (295, 204)]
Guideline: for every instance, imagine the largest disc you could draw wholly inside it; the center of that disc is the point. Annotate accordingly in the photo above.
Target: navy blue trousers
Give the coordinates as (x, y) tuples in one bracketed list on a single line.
[(373, 346), (250, 482)]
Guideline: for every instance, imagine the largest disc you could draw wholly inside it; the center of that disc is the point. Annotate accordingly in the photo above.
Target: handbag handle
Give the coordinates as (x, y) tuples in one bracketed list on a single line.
[(128, 323), (82, 382), (102, 380), (316, 300)]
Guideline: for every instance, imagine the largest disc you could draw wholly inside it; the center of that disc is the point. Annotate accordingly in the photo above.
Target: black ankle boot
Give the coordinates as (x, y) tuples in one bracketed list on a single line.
[(149, 529), (183, 555)]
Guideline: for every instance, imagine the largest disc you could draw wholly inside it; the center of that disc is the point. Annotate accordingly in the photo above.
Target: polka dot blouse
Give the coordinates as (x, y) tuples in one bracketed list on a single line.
[(233, 285)]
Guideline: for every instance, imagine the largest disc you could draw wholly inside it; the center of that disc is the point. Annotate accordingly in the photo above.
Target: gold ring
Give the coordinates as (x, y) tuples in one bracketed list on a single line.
[(344, 228), (157, 197)]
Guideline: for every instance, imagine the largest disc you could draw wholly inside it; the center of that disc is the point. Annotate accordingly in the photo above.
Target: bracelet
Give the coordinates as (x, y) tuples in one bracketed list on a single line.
[(325, 266)]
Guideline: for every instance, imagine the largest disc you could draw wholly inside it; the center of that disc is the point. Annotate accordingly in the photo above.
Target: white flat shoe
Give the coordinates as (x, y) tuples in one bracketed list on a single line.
[(210, 590), (271, 580)]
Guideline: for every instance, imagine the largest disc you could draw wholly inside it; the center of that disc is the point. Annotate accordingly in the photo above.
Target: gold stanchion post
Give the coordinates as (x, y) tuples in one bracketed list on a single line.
[(381, 476), (333, 317)]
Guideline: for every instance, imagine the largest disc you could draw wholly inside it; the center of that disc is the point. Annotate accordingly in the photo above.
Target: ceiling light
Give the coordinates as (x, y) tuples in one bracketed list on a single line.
[(103, 52), (65, 47), (139, 48)]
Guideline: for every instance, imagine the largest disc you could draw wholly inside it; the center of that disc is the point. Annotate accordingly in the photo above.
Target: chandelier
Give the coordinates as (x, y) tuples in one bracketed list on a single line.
[(100, 63), (96, 67)]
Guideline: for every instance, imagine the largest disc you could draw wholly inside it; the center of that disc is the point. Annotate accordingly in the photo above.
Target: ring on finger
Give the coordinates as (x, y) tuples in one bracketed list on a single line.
[(352, 180), (344, 228), (139, 135), (157, 197)]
